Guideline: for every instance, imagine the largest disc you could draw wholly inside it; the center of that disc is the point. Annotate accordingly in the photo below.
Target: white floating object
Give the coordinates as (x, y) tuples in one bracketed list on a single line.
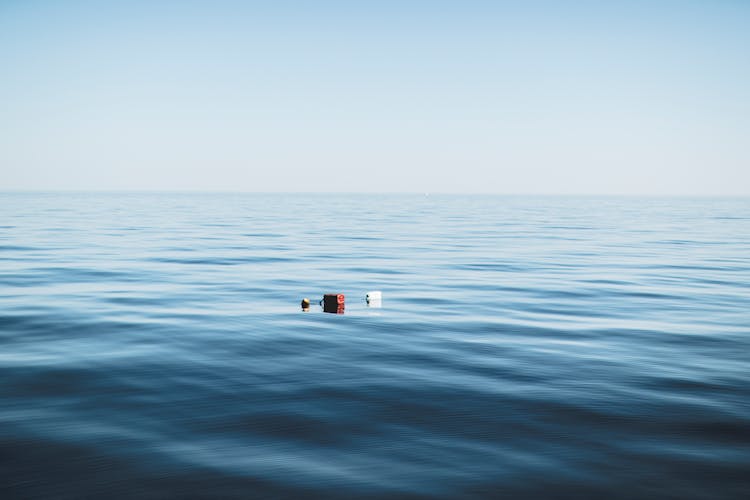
[(374, 299)]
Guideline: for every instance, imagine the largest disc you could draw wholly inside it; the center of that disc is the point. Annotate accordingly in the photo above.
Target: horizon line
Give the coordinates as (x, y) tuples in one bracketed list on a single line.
[(380, 193)]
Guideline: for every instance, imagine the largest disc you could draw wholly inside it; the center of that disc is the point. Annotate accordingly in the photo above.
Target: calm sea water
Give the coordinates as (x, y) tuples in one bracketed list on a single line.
[(152, 345)]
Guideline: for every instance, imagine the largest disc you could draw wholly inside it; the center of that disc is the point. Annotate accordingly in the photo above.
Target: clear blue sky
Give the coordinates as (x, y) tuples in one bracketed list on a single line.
[(631, 97)]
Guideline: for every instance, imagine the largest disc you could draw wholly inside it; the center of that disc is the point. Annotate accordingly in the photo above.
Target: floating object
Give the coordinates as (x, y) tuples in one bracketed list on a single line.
[(305, 304), (374, 299), (333, 303)]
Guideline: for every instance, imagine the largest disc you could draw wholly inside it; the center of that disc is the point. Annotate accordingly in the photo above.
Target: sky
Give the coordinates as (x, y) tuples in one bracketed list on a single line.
[(527, 97)]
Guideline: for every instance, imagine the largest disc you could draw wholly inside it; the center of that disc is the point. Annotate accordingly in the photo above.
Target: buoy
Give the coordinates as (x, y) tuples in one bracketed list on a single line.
[(333, 303), (305, 304), (374, 299)]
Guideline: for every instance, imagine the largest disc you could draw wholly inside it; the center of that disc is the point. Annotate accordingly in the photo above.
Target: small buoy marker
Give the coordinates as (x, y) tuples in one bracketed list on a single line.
[(305, 304)]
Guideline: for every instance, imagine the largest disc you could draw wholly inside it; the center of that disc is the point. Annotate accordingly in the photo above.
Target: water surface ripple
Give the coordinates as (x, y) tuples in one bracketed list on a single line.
[(151, 345)]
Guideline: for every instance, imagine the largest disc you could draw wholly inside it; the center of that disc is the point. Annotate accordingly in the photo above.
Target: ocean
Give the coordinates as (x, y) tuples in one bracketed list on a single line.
[(152, 345)]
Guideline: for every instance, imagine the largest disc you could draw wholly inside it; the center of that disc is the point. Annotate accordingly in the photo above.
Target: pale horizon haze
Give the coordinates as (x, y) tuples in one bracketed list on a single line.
[(539, 97)]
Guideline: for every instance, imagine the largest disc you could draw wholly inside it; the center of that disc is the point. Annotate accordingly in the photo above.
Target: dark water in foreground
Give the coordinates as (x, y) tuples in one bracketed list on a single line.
[(152, 346)]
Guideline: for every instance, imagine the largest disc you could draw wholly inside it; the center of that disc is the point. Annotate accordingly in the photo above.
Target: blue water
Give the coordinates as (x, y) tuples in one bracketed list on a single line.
[(152, 345)]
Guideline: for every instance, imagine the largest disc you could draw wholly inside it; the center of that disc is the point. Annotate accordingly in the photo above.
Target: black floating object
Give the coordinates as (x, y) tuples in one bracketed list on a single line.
[(333, 303)]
